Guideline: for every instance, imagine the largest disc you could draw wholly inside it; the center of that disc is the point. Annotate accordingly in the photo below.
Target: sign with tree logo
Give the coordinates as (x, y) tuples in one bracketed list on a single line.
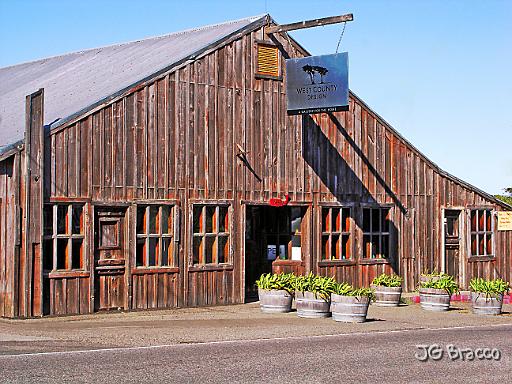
[(317, 84)]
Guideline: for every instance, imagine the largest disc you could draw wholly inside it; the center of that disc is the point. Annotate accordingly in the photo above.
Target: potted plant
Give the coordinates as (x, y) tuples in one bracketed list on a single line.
[(388, 289), (275, 292), (349, 304), (435, 293), (313, 295), (487, 295)]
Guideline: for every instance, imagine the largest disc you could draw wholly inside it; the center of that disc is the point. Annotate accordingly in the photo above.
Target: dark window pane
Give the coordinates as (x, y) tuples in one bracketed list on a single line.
[(48, 255), (473, 221), (473, 245), (296, 220), (223, 219), (375, 247), (223, 249), (197, 250), (325, 247), (376, 220), (62, 254), (77, 255), (385, 246), (335, 247), (153, 252), (154, 224), (367, 246), (385, 220), (366, 220), (488, 244), (488, 220), (167, 251), (166, 220), (78, 219), (141, 220), (481, 242), (345, 247), (62, 219), (210, 249), (198, 219), (282, 249), (325, 220), (336, 219), (210, 219), (48, 220), (481, 219), (345, 219), (141, 251)]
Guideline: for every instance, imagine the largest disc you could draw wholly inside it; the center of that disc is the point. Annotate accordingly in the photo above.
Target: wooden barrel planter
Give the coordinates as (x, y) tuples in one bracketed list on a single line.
[(433, 299), (349, 309), (483, 305), (311, 306), (275, 301), (387, 296)]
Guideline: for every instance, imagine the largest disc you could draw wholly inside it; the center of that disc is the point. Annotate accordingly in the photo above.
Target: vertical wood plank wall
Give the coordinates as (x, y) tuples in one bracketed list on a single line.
[(177, 137)]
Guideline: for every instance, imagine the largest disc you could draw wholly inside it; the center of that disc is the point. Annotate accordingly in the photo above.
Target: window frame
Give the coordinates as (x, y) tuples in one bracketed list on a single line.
[(69, 235), (331, 232), (227, 233), (379, 234), (263, 75), (172, 257), (478, 233)]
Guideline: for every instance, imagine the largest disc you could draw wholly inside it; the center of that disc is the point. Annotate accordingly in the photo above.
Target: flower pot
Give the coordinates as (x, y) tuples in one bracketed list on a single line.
[(387, 296), (312, 306), (275, 301), (490, 305), (349, 309), (433, 299)]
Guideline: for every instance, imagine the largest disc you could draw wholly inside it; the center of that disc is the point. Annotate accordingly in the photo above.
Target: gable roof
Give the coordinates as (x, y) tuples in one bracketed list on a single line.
[(76, 81)]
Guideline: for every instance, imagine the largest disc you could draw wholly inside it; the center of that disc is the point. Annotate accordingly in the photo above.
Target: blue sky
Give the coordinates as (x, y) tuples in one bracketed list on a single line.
[(438, 71)]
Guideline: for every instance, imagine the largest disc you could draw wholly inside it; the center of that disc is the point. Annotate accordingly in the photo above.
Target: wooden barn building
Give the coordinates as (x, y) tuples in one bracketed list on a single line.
[(139, 176)]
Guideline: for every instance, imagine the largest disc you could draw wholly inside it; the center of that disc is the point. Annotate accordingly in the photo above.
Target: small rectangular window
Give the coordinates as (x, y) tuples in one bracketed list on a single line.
[(63, 237), (267, 60), (481, 232), (376, 224), (155, 236), (210, 244), (336, 233)]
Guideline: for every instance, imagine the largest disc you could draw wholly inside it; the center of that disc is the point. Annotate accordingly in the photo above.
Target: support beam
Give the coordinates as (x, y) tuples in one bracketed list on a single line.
[(309, 23)]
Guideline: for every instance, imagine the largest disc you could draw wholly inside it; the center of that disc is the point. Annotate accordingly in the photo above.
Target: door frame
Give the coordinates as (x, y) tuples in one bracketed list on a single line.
[(95, 207), (462, 238), (307, 259)]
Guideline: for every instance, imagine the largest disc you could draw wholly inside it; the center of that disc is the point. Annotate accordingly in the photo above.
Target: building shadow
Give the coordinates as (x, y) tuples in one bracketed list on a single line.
[(340, 179)]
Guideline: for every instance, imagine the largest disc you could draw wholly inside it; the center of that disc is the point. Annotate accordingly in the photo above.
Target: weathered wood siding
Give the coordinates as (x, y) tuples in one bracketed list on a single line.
[(9, 235), (176, 137)]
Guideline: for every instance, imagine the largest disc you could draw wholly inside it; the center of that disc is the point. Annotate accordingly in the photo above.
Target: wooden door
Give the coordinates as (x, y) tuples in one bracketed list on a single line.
[(110, 259), (452, 242)]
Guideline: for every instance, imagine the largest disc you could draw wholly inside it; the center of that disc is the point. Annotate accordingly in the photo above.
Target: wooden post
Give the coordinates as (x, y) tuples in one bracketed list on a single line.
[(33, 215)]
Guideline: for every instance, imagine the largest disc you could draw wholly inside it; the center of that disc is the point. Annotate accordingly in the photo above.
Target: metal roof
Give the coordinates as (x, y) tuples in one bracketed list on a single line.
[(76, 81)]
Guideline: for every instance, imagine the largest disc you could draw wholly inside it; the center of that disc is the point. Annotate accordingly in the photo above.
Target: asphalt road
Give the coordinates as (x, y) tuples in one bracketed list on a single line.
[(384, 357)]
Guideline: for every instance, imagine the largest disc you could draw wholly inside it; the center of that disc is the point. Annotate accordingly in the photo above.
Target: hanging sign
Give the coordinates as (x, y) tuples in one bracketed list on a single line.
[(317, 84), (504, 221)]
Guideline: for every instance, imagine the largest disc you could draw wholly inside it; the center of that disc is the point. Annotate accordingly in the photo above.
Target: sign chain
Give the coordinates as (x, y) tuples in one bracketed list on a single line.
[(341, 36)]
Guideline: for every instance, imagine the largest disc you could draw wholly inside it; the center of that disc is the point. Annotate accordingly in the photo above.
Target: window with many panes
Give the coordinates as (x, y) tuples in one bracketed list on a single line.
[(376, 233), (481, 232), (336, 233), (155, 236), (63, 237), (210, 244)]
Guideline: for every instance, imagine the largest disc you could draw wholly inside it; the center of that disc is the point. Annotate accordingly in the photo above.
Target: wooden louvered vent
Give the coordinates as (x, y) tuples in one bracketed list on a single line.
[(268, 60)]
